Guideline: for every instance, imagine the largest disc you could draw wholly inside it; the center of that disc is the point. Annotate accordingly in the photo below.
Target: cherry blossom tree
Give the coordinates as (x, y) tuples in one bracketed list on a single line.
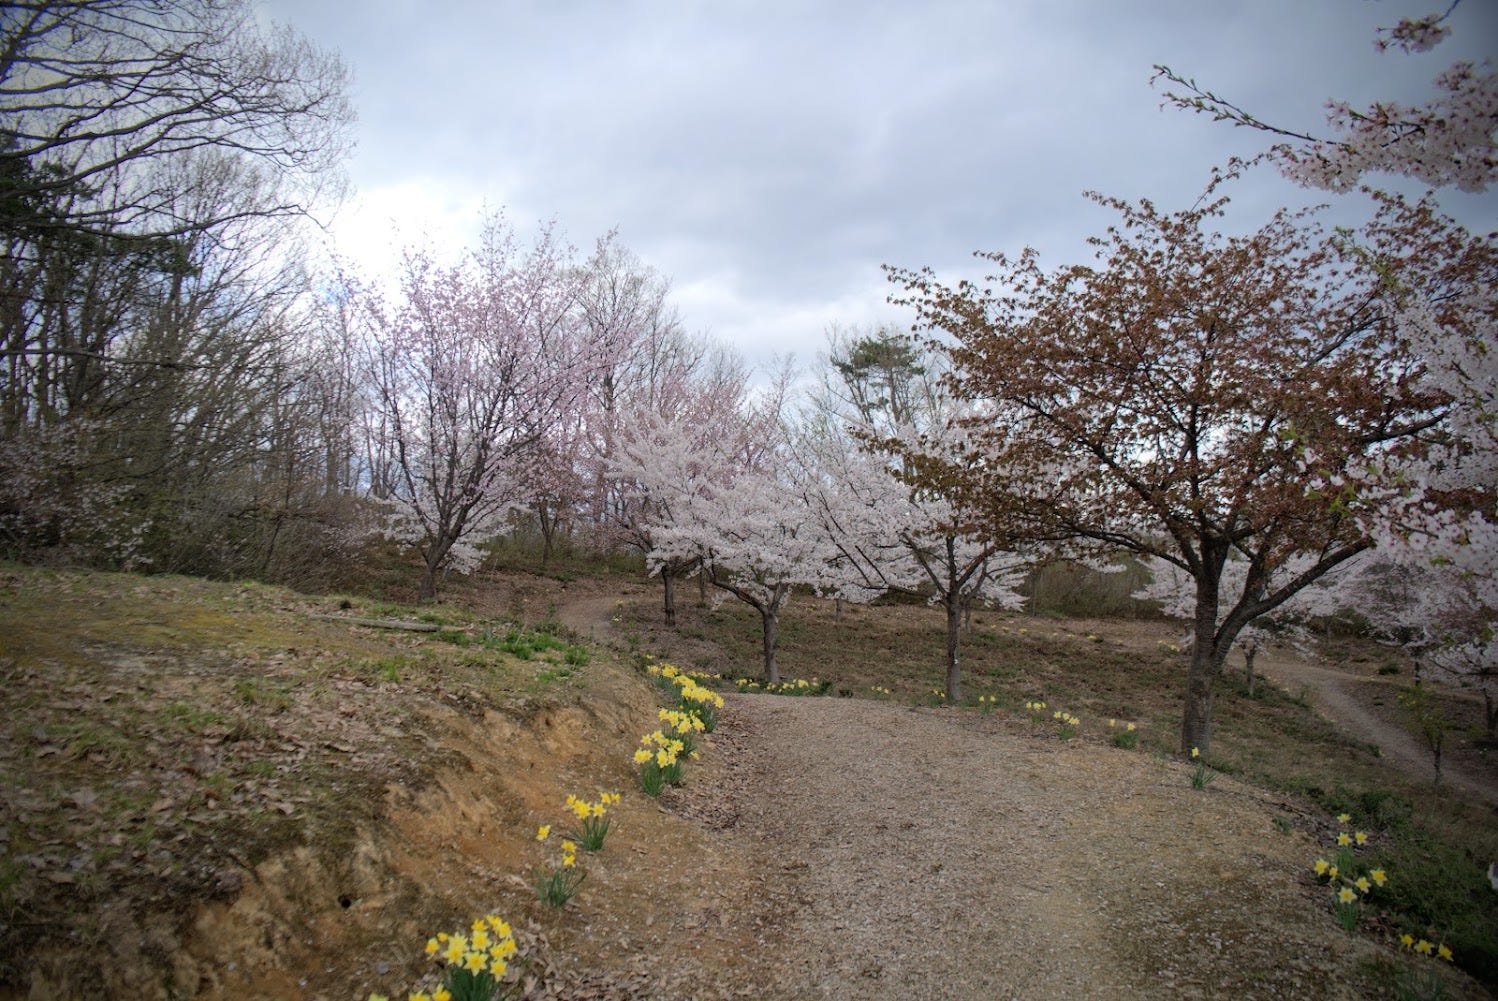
[(468, 369), (1441, 513), (888, 537), (1198, 398), (1449, 141), (1174, 590), (679, 435)]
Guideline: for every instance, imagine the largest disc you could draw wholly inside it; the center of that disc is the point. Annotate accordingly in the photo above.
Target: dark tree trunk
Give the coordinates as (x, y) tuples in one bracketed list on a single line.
[(1248, 666), (433, 555), (702, 588), (769, 619), (1206, 663), (668, 583), (954, 651)]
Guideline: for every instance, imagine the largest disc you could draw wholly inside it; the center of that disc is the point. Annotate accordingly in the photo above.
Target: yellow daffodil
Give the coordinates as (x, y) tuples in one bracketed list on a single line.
[(433, 947), (418, 996), (1343, 818), (1346, 896), (1424, 948), (497, 968), (456, 947), (543, 832), (1129, 727), (1321, 866), (480, 937), (642, 756), (1196, 752), (442, 994), (1332, 872), (474, 962), (1363, 885), (1378, 876), (568, 861), (1443, 952), (1408, 941), (1360, 838), (1343, 840)]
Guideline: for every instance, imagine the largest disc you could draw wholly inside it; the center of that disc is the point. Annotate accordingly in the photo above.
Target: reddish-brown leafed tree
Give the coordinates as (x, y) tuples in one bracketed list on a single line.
[(1201, 398)]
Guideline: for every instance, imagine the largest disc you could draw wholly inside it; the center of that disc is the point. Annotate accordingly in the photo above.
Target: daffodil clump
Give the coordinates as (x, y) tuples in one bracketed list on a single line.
[(796, 686), (1067, 724), (696, 698), (593, 819), (659, 762), (880, 692), (986, 703), (1036, 710), (1126, 737), (557, 881), (476, 964), (1424, 982), (1349, 882), (1201, 775), (684, 726)]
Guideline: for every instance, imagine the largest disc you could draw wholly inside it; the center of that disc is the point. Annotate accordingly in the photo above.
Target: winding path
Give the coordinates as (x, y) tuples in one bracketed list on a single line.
[(1330, 692)]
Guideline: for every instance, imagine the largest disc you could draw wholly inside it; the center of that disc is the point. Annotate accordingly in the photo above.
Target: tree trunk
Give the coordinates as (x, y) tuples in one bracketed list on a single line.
[(1196, 721), (1206, 663), (837, 609), (1491, 710), (668, 582), (702, 587), (1248, 667), (954, 653), (548, 530), (769, 619), (434, 555)]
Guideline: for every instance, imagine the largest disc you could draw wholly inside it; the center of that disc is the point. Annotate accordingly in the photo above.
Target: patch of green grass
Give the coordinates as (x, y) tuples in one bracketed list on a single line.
[(261, 693)]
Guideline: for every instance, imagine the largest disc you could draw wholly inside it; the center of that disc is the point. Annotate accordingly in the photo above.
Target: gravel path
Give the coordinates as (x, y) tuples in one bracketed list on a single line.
[(926, 854)]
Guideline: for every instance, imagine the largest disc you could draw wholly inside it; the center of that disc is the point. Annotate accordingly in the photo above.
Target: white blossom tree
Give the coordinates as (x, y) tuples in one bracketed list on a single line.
[(469, 368), (886, 536)]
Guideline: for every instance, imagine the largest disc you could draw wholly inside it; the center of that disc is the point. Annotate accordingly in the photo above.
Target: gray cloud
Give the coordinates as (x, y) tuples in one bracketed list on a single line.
[(770, 155)]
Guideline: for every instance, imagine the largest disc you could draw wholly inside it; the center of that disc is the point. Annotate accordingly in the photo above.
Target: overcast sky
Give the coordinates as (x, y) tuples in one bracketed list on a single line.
[(768, 156)]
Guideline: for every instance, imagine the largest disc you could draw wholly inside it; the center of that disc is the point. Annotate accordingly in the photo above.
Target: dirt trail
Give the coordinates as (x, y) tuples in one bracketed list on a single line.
[(935, 854), (1332, 693)]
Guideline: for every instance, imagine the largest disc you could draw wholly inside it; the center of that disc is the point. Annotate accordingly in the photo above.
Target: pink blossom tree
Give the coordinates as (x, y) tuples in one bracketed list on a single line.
[(468, 369)]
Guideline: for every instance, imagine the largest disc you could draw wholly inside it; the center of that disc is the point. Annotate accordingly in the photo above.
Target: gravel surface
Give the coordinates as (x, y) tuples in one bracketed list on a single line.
[(914, 853)]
